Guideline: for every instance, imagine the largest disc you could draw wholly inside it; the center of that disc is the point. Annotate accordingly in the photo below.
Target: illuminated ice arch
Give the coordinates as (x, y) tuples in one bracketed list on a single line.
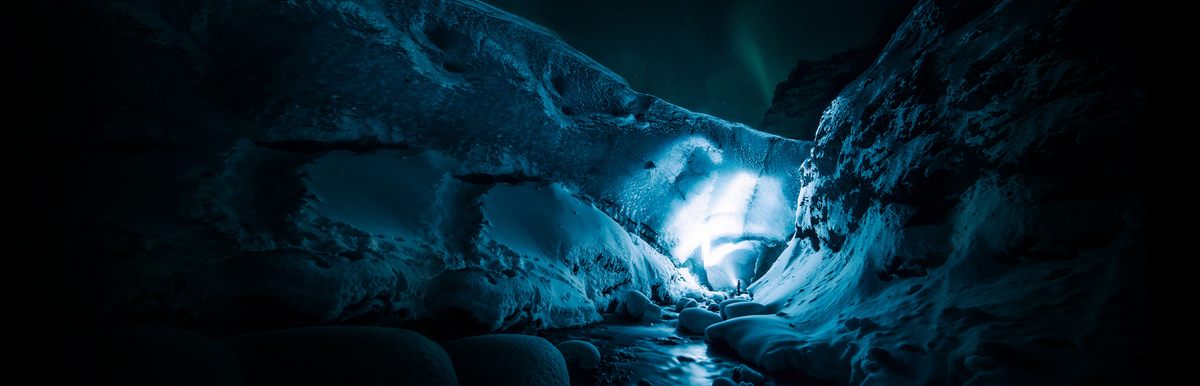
[(714, 213), (724, 222)]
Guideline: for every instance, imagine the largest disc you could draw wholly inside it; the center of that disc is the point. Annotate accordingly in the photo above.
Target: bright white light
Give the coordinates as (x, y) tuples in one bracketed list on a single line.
[(726, 206), (707, 204), (718, 254)]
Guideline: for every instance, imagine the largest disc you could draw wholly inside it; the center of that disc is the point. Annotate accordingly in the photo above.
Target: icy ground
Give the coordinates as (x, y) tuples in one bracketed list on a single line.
[(657, 354)]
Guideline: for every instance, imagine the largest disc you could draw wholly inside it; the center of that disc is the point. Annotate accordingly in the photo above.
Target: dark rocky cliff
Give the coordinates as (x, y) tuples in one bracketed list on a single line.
[(800, 99), (971, 207)]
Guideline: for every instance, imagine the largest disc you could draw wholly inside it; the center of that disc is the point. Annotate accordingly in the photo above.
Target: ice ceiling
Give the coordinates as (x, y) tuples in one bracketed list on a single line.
[(721, 215)]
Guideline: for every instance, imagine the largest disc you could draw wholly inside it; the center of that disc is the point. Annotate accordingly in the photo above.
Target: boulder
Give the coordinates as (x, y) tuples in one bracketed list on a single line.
[(580, 354), (342, 355), (695, 320), (507, 359)]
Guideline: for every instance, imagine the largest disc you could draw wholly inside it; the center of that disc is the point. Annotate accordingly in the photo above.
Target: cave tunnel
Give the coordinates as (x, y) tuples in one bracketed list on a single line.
[(457, 192)]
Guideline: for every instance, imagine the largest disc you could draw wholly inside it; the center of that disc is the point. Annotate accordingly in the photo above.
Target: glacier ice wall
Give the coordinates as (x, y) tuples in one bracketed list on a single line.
[(258, 162), (970, 211)]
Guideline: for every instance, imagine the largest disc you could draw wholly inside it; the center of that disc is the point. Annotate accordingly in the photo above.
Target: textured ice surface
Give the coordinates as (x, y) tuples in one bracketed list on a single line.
[(324, 161), (965, 216)]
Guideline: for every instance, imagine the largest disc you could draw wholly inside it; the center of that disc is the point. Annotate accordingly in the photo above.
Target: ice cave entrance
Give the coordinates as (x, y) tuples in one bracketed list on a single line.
[(727, 222)]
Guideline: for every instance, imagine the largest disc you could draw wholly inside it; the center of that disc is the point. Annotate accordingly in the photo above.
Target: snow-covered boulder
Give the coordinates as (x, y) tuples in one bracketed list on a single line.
[(636, 306), (507, 359), (745, 374), (696, 320), (723, 381), (727, 302), (772, 344), (342, 355), (740, 309), (580, 354), (685, 303)]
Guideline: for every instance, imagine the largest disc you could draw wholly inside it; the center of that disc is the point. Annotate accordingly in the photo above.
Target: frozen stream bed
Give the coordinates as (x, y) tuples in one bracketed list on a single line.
[(655, 354)]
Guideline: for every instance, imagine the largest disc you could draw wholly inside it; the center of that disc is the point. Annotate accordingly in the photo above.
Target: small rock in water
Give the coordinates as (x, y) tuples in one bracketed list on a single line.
[(580, 354), (746, 374), (685, 303)]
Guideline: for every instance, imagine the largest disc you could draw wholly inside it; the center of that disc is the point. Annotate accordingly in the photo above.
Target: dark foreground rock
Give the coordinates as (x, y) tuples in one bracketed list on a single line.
[(344, 355), (129, 356), (507, 360)]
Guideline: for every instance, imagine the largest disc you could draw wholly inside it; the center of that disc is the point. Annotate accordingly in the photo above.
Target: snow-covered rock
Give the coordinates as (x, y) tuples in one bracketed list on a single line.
[(695, 320), (580, 354), (741, 309), (745, 374), (727, 302), (723, 381), (685, 303), (635, 305), (342, 355), (507, 359)]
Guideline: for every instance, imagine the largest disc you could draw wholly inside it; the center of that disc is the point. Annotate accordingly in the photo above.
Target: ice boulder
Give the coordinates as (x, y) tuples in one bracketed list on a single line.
[(744, 309), (652, 314), (342, 355), (636, 306), (685, 303), (507, 359), (696, 320), (746, 374), (773, 345), (726, 303), (580, 354)]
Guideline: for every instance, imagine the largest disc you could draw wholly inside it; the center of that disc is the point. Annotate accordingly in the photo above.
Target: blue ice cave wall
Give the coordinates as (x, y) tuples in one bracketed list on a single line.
[(960, 220), (396, 160)]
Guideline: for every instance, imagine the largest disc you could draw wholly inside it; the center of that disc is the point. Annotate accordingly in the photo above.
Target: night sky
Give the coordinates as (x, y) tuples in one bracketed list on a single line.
[(717, 57)]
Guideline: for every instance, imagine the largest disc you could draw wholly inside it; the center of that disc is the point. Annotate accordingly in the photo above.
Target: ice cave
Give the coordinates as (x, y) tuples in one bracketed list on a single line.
[(452, 192)]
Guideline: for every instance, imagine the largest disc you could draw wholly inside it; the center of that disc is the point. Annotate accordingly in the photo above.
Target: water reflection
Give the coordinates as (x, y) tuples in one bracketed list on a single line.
[(655, 353)]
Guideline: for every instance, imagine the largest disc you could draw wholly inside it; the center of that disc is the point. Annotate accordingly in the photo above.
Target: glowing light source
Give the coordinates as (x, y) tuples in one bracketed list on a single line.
[(719, 214)]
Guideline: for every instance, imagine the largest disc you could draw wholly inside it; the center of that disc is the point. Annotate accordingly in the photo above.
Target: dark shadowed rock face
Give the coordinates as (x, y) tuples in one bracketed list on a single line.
[(801, 98), (799, 101), (970, 209)]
